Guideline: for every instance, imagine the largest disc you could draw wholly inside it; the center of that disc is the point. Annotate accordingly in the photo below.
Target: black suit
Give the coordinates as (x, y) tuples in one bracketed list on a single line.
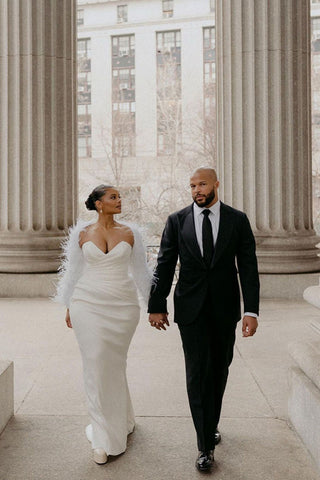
[(207, 304)]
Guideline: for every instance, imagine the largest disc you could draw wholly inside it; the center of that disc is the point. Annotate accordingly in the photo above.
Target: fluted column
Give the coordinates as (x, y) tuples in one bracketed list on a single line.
[(38, 170), (264, 126)]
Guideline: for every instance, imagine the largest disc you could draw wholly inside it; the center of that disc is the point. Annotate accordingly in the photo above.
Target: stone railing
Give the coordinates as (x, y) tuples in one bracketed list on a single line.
[(6, 392), (304, 381)]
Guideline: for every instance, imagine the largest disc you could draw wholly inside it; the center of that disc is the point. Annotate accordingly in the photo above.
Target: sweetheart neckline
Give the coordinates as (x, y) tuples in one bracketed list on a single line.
[(106, 253)]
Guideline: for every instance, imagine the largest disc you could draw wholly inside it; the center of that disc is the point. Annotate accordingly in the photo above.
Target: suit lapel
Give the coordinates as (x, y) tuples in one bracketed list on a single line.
[(224, 233), (188, 233)]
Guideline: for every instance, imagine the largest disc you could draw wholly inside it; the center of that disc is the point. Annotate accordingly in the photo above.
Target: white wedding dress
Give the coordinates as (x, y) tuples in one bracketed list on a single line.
[(104, 311)]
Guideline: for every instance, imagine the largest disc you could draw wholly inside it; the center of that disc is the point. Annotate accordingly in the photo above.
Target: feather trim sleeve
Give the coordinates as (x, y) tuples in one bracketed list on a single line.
[(72, 264), (141, 272)]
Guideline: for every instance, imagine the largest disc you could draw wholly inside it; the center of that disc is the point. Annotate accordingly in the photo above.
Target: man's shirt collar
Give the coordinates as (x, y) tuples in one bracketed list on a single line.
[(215, 208)]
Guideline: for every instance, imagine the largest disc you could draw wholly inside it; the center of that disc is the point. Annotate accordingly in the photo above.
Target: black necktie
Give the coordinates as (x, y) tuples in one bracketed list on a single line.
[(207, 237)]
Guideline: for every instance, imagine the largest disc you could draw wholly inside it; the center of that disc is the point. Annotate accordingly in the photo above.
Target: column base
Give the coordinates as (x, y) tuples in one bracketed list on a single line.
[(30, 285), (287, 286), (294, 254), (27, 285), (30, 252)]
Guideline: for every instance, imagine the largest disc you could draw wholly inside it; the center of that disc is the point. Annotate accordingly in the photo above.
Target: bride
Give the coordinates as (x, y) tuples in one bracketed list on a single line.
[(104, 263)]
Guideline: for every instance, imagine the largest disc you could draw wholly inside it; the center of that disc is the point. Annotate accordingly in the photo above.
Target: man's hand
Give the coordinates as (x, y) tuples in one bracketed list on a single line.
[(249, 326), (159, 320), (68, 320)]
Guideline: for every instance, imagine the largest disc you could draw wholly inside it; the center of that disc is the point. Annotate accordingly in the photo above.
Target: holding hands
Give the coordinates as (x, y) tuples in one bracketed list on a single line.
[(159, 320)]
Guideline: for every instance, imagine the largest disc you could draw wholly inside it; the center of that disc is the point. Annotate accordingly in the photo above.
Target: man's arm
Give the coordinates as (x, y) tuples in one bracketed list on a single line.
[(249, 278), (167, 261)]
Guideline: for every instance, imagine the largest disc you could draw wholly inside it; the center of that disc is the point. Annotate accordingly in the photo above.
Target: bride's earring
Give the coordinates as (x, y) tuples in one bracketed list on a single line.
[(100, 211)]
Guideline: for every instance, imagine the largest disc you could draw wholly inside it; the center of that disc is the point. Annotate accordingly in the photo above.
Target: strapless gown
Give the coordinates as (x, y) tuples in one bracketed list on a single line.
[(104, 312)]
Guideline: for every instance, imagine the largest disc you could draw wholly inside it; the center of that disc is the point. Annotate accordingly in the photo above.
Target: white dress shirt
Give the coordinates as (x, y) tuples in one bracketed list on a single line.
[(214, 217)]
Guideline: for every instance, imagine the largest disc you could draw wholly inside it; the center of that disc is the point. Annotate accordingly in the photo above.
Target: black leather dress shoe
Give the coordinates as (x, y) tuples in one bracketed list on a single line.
[(217, 437), (204, 461)]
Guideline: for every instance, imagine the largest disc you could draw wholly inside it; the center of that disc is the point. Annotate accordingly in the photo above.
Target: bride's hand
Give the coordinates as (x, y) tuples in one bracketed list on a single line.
[(68, 320), (159, 320)]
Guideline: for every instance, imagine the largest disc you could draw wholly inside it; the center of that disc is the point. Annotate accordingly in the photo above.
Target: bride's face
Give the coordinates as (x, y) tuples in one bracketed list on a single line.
[(110, 203)]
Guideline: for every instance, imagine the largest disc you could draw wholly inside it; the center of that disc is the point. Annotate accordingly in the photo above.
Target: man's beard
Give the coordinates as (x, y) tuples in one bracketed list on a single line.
[(206, 200)]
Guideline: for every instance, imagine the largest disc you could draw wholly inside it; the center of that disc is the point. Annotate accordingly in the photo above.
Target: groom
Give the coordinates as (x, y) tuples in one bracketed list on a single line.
[(213, 241)]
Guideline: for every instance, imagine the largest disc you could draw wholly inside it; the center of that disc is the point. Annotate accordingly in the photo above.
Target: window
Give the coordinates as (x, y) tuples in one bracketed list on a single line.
[(169, 92), (84, 97), (168, 41), (123, 145), (209, 87), (84, 125), (122, 13), (84, 109), (168, 144), (84, 146), (84, 78), (209, 52), (123, 84), (209, 73), (80, 17), (315, 28), (123, 45), (84, 47), (209, 105), (167, 8), (124, 107), (209, 37), (123, 95), (84, 53), (315, 35)]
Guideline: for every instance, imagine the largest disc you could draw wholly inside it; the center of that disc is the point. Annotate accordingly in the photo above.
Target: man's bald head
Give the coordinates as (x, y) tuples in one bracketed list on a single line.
[(204, 186), (207, 170)]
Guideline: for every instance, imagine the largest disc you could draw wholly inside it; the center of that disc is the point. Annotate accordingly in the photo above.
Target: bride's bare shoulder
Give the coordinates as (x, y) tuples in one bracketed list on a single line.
[(126, 232), (87, 233)]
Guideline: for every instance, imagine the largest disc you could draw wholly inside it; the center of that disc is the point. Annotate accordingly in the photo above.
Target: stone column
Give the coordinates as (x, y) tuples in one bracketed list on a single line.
[(264, 126), (38, 169)]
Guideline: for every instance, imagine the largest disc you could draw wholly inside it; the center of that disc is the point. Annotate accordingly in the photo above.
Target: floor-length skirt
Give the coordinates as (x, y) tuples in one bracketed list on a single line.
[(104, 338)]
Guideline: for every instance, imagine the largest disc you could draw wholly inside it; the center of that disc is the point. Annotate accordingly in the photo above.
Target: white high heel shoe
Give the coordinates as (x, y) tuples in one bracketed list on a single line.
[(100, 456)]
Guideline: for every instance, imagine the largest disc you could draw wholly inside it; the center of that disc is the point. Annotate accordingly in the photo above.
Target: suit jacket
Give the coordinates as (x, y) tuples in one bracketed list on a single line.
[(235, 245)]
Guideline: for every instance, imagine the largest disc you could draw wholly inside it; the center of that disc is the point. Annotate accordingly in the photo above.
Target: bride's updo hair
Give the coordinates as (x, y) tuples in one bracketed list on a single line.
[(95, 195)]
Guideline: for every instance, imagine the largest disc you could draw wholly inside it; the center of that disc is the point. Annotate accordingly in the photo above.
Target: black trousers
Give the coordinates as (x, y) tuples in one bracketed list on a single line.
[(208, 349)]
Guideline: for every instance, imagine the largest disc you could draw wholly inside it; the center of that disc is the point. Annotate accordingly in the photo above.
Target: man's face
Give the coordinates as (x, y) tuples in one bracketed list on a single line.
[(204, 189)]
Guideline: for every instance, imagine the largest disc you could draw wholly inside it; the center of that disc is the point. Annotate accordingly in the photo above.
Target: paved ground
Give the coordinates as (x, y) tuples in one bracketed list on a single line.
[(45, 439)]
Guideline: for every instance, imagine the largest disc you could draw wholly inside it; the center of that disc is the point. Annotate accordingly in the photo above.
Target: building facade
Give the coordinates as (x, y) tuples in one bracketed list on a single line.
[(146, 92)]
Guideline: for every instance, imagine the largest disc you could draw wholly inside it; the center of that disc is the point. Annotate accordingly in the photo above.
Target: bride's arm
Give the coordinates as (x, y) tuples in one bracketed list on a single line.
[(139, 268), (71, 266)]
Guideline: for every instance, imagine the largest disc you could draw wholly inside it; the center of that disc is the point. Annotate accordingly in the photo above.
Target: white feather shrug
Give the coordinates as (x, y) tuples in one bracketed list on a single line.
[(73, 264)]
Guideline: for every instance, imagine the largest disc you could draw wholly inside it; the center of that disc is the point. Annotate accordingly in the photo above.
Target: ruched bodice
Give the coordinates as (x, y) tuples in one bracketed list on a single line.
[(119, 255), (106, 273), (104, 312)]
